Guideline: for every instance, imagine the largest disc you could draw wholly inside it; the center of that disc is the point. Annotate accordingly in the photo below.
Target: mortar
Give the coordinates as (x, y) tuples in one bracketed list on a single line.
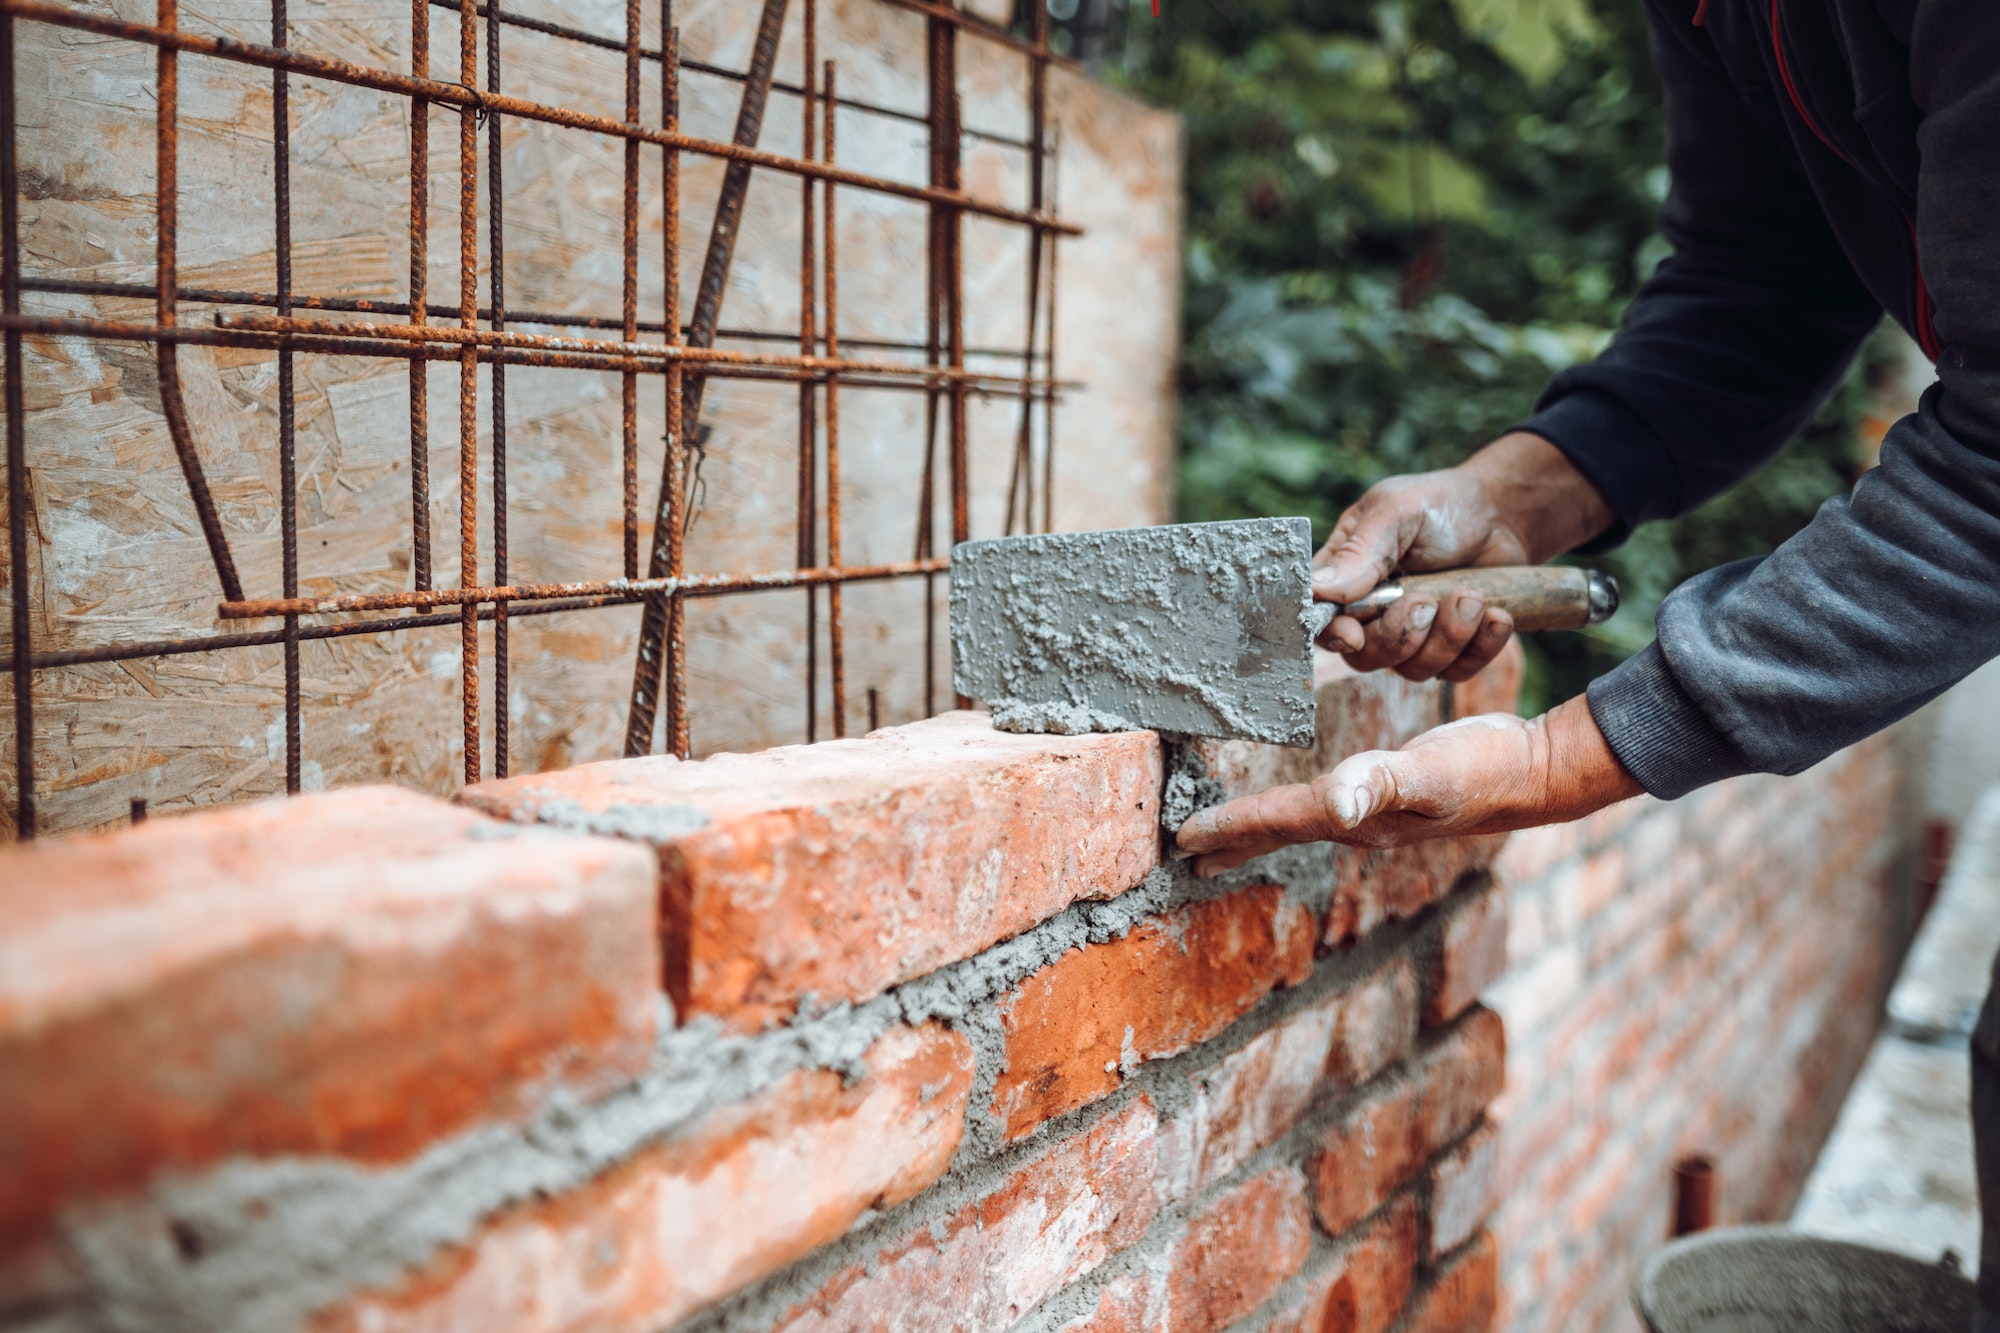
[(1773, 1280)]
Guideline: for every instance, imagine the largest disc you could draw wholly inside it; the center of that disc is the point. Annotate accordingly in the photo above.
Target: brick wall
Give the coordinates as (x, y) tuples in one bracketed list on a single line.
[(910, 1032), (1697, 976)]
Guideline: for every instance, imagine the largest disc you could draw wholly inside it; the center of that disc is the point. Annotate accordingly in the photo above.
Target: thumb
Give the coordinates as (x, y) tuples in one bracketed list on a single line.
[(1363, 786), (1364, 549)]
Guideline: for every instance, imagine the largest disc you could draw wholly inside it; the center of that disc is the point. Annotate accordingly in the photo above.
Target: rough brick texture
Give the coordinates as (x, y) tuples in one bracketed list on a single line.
[(840, 869), (357, 974), (1047, 1223), (1386, 1139), (1697, 976), (1076, 1028), (653, 1240), (1179, 1110)]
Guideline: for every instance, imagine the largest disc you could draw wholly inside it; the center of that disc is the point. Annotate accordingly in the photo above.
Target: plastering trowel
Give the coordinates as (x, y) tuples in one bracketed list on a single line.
[(1205, 629)]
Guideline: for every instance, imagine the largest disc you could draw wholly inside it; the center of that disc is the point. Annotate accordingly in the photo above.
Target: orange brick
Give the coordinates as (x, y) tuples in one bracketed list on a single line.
[(1050, 1222), (1472, 955), (1363, 1290), (1386, 1139), (358, 973), (1462, 1189), (1464, 1297), (1129, 1303), (1237, 1251), (1392, 885), (1079, 1025), (1254, 1095), (844, 868), (687, 1221), (1497, 689)]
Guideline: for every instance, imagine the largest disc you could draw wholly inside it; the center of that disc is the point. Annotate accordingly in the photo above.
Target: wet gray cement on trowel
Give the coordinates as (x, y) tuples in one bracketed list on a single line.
[(1204, 629)]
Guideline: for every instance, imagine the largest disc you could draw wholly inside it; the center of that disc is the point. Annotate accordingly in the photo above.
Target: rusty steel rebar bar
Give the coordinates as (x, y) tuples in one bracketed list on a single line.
[(418, 308), (836, 642), (22, 666), (496, 266), (471, 334), (288, 471), (1694, 1194), (468, 388), (808, 502)]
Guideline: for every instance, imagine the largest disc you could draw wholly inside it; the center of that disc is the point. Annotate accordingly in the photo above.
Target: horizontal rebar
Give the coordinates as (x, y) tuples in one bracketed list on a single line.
[(688, 585), (358, 305), (208, 643), (578, 35), (458, 95)]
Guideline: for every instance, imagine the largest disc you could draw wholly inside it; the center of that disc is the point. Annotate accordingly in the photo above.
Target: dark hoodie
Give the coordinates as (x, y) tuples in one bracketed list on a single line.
[(1830, 159)]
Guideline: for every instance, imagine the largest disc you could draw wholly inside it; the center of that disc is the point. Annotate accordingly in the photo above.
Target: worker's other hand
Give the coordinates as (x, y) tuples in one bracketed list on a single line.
[(1484, 774), (1518, 501)]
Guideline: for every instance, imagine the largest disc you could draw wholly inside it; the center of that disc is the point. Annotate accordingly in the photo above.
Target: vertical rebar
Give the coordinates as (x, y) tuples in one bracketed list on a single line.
[(17, 450), (933, 346), (674, 471), (420, 207), (496, 251), (808, 512), (836, 643), (288, 476), (629, 381), (651, 661), (676, 638), (1021, 478), (954, 229), (167, 353), (468, 385), (1694, 1194), (1049, 346)]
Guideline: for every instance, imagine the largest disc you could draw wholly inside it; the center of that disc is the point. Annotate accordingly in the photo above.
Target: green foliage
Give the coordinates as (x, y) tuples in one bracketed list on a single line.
[(1402, 217)]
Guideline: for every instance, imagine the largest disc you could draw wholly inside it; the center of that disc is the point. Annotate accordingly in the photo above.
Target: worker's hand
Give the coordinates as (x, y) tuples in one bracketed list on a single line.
[(1484, 774), (1518, 501)]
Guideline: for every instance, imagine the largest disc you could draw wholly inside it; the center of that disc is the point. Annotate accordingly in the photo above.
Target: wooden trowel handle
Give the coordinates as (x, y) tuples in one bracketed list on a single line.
[(1539, 597)]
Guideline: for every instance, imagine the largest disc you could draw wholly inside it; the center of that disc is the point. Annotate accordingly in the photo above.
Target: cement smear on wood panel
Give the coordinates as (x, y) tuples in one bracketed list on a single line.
[(1199, 628)]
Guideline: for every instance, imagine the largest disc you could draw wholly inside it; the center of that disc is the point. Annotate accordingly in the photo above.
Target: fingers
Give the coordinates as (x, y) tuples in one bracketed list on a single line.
[(1395, 636), (1455, 626), (1494, 630), (1365, 547), (1266, 821), (1343, 634)]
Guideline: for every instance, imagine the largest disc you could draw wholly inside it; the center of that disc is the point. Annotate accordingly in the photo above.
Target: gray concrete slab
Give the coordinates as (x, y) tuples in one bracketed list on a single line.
[(1897, 1171)]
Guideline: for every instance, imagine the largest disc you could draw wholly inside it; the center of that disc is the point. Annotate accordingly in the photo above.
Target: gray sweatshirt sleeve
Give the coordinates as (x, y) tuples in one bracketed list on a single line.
[(1891, 594)]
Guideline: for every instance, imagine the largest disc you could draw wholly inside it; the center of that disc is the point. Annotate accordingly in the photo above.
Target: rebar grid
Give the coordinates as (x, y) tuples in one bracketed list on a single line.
[(682, 355)]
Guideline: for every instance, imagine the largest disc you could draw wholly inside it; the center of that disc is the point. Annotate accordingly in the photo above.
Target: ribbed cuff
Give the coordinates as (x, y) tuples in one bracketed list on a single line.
[(1664, 740), (1617, 452)]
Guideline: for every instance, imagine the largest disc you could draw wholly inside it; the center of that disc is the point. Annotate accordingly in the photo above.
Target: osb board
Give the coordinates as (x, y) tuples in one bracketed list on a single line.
[(116, 553)]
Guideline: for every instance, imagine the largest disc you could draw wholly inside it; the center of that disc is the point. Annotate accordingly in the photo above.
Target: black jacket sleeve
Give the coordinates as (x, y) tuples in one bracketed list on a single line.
[(1892, 593), (1741, 332)]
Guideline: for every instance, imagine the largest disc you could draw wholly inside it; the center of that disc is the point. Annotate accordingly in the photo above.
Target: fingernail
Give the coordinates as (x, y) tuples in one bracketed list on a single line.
[(1326, 583), (1468, 610), (1422, 615)]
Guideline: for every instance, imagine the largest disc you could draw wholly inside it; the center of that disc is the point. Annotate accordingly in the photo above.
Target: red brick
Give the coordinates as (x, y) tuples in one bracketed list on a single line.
[(358, 974), (1363, 1290), (844, 868), (1238, 1251), (1392, 885), (1077, 1027), (1254, 1095), (1497, 689), (685, 1222), (1050, 1222), (1130, 1303), (1472, 955), (1464, 1297), (1386, 1139), (1462, 1189)]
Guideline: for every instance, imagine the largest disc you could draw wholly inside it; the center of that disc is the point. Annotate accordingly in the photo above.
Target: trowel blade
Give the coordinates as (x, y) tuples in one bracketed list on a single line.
[(1199, 628)]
